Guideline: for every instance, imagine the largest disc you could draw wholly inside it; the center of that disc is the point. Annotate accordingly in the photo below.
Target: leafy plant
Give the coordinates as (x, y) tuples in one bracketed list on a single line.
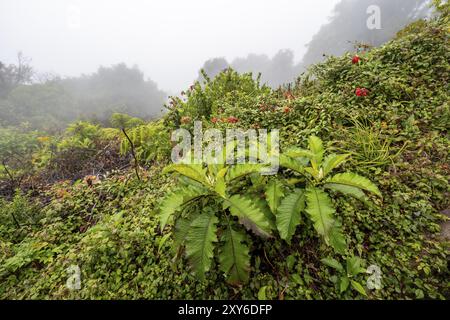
[(312, 199), (347, 273), (211, 216)]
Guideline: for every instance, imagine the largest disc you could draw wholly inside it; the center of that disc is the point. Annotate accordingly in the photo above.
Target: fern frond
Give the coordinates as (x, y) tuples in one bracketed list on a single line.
[(249, 215), (274, 193), (288, 214), (200, 242), (355, 180), (234, 258)]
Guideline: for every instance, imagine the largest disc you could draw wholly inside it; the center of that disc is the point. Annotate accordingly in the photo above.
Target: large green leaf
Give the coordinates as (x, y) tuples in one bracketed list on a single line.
[(316, 147), (240, 170), (299, 153), (333, 161), (288, 214), (174, 200), (337, 238), (193, 171), (274, 193), (249, 214), (171, 203), (220, 185), (234, 258), (320, 210), (262, 205), (354, 180), (349, 190), (291, 163), (200, 242)]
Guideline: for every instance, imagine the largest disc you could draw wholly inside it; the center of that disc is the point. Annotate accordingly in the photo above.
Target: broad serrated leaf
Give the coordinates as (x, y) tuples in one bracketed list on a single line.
[(316, 147), (299, 153), (234, 258), (333, 161), (288, 214), (240, 170), (262, 205), (181, 230), (291, 163), (320, 210), (249, 215), (200, 242), (355, 180), (337, 238), (174, 200), (274, 193), (220, 185), (193, 171), (171, 203), (349, 190)]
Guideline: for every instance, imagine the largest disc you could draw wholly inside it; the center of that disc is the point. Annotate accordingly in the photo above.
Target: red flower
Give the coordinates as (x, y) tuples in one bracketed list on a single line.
[(361, 92), (286, 109), (214, 120), (356, 59)]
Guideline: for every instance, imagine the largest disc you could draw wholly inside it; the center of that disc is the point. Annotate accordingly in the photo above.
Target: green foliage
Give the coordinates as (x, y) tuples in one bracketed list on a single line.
[(347, 274), (319, 206), (208, 188), (151, 141), (123, 237)]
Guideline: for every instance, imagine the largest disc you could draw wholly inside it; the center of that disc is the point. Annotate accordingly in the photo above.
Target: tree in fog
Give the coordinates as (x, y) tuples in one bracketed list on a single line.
[(275, 71), (213, 67), (116, 89), (13, 75)]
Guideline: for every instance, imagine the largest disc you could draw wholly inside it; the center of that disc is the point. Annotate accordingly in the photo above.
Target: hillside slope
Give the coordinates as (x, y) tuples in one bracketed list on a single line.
[(388, 109)]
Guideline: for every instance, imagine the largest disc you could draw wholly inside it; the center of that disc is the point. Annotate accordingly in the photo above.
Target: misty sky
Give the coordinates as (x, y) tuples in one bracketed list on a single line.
[(169, 39)]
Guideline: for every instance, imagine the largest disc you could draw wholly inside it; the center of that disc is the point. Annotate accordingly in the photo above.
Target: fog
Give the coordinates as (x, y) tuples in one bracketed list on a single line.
[(169, 40)]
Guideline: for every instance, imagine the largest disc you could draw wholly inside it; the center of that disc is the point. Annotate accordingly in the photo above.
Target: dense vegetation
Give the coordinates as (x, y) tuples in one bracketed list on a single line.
[(362, 193)]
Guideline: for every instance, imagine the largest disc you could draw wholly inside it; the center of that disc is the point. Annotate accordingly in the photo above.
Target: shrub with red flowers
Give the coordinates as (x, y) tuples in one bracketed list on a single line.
[(361, 92), (286, 109), (214, 120)]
